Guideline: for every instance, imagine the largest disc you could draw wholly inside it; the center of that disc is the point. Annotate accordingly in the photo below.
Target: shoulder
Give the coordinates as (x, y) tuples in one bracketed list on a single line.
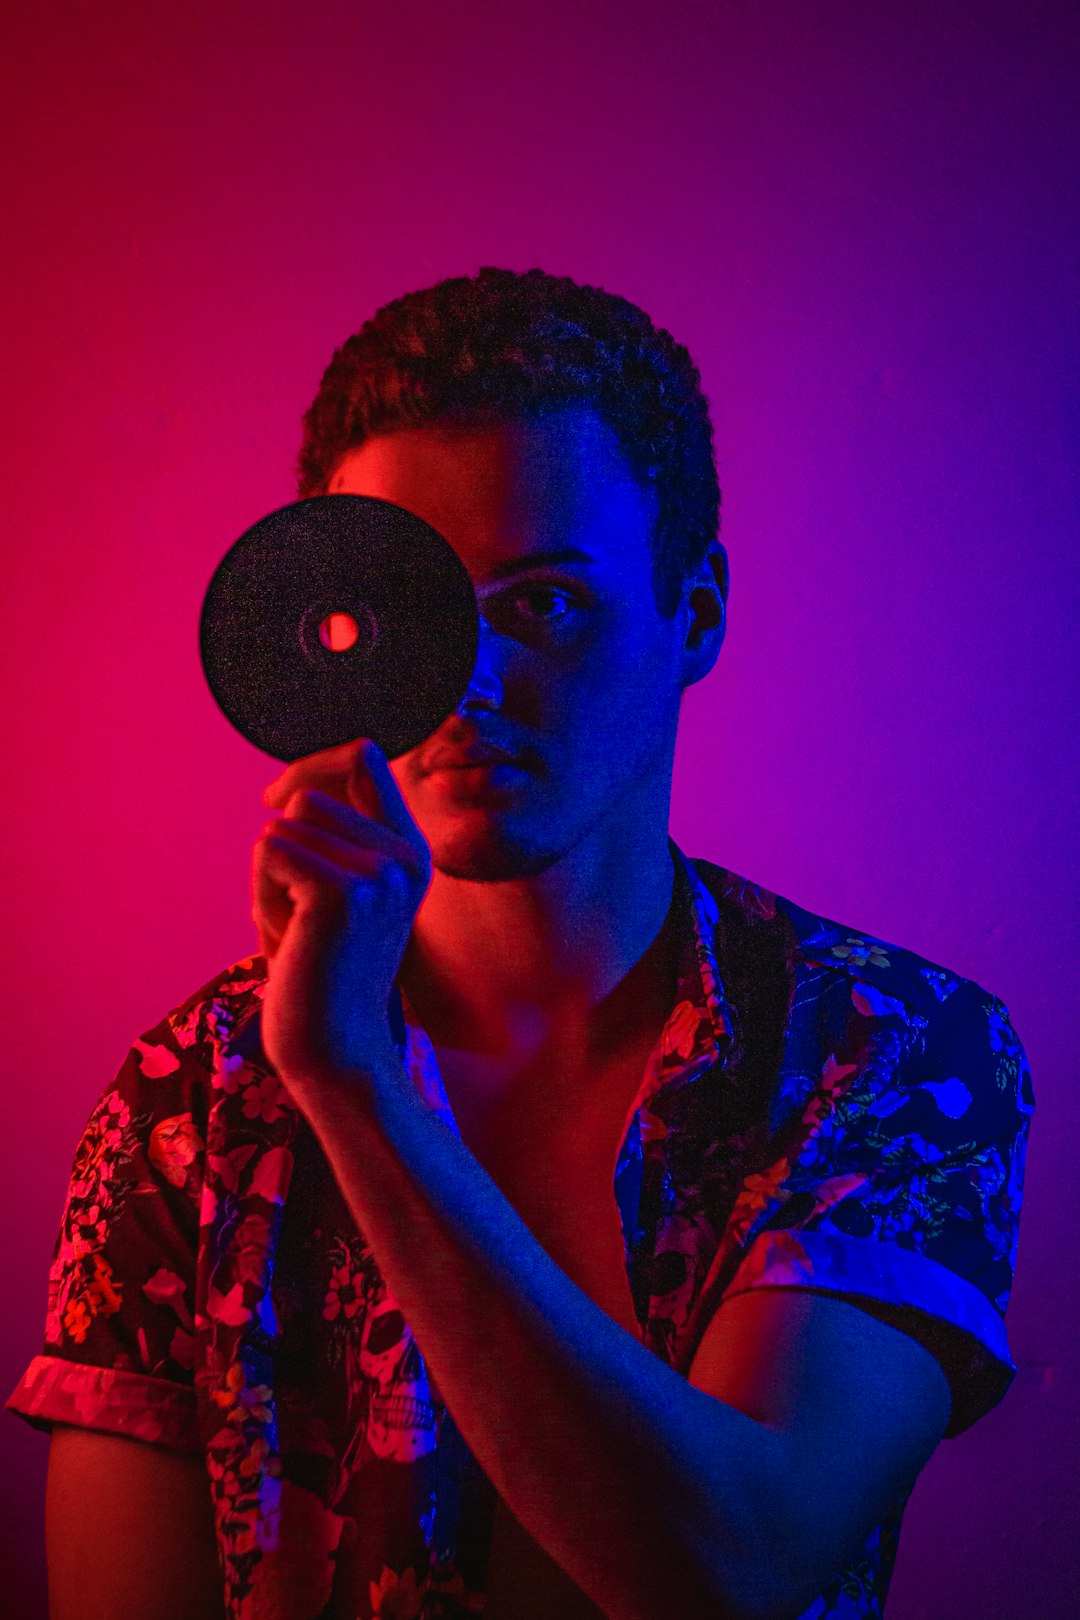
[(844, 950), (213, 1016), (169, 1064), (148, 1127), (951, 1022)]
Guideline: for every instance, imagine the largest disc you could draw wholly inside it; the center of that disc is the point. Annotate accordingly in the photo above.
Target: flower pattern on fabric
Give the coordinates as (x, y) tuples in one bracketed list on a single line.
[(823, 1110), (396, 1597), (83, 1286), (174, 1145), (858, 952)]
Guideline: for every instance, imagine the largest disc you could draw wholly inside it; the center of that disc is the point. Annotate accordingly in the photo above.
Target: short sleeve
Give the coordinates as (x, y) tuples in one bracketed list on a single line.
[(905, 1191), (118, 1350)]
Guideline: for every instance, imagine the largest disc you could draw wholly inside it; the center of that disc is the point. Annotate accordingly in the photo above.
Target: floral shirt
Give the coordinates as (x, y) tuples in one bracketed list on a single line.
[(823, 1110)]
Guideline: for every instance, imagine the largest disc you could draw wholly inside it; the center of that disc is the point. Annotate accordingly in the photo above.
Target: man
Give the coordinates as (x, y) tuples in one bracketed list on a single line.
[(544, 1223)]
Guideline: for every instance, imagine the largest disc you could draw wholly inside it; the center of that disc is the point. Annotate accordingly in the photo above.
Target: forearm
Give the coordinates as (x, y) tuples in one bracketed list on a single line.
[(653, 1496)]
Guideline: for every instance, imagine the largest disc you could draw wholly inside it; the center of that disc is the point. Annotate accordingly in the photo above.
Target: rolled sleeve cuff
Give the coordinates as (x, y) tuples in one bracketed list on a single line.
[(112, 1400), (900, 1277)]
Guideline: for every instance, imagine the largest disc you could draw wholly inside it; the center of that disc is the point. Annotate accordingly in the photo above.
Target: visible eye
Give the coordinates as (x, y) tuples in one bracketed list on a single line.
[(541, 612), (542, 603)]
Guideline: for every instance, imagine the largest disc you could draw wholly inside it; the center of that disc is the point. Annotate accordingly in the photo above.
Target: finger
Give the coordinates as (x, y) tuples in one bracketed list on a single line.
[(372, 789), (349, 856), (328, 769), (303, 874), (321, 810), (271, 904), (295, 864), (271, 907)]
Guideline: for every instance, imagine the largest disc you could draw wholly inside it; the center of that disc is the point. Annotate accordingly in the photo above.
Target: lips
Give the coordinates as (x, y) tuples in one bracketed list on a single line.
[(459, 759)]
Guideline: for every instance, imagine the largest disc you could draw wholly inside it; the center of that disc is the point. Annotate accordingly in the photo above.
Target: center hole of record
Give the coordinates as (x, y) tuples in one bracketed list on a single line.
[(338, 632), (333, 636)]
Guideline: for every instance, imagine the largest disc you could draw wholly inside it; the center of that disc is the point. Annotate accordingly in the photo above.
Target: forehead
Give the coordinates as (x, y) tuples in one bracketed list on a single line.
[(502, 491)]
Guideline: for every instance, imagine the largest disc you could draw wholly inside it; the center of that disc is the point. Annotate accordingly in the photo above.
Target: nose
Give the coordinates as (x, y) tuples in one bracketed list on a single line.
[(485, 688)]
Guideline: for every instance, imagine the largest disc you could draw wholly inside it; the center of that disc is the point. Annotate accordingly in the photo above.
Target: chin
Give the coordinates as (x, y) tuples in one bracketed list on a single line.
[(490, 857)]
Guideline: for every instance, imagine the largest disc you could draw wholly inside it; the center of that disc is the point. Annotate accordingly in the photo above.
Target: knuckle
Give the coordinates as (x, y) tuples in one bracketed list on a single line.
[(304, 799), (368, 753)]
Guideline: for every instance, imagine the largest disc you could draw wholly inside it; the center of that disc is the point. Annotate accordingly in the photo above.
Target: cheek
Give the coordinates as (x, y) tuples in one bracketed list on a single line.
[(615, 712), (627, 674)]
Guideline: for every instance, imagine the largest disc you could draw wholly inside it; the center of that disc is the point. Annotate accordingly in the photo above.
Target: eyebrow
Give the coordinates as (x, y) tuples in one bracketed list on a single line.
[(539, 559)]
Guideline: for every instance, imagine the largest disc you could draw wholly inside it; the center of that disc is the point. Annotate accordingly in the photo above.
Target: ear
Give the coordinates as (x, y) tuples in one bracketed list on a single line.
[(704, 606)]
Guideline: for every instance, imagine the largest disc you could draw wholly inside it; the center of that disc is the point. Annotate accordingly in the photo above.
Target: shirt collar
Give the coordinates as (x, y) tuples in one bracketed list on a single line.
[(698, 1032), (700, 999), (706, 929)]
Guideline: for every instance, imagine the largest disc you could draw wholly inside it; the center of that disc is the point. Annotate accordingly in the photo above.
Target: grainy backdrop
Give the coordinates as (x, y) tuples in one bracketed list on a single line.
[(862, 217)]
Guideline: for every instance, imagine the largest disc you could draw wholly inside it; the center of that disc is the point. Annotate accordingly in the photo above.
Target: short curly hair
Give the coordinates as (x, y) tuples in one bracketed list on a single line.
[(504, 343)]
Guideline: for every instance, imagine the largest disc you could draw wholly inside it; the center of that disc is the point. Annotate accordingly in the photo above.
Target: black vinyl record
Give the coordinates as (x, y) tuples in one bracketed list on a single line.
[(289, 597)]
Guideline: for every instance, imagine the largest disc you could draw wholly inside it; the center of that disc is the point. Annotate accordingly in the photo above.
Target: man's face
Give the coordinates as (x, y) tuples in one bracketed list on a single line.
[(578, 677)]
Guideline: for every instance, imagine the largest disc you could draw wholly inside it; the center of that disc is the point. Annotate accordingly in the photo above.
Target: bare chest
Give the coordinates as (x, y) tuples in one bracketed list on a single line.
[(550, 1147)]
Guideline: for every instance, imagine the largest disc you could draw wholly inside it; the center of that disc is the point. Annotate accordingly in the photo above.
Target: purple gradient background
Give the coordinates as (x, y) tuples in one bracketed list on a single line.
[(862, 219)]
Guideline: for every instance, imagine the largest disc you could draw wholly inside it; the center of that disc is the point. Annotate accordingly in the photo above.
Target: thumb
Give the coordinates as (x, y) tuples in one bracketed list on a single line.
[(360, 790), (373, 790)]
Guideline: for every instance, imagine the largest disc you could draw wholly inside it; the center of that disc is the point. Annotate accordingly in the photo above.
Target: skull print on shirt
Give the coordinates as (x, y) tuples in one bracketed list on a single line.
[(401, 1412)]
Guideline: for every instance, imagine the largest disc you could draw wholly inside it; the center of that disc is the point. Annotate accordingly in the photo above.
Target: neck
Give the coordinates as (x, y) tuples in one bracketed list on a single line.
[(494, 966)]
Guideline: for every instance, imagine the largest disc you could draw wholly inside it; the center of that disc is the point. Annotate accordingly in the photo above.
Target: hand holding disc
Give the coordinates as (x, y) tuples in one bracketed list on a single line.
[(338, 617)]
